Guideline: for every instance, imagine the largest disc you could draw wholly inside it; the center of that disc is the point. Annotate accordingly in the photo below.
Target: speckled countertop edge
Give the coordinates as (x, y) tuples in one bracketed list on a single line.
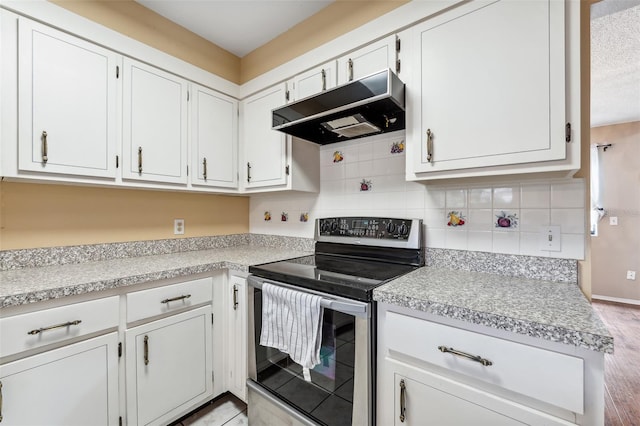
[(553, 311), (29, 285)]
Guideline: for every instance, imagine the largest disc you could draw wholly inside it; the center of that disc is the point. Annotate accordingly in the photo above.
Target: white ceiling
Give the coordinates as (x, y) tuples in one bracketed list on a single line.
[(238, 26), (241, 26), (615, 62)]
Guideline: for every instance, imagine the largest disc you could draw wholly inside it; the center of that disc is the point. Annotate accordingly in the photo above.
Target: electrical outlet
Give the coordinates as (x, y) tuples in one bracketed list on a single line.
[(549, 238), (631, 275), (613, 220), (178, 226)]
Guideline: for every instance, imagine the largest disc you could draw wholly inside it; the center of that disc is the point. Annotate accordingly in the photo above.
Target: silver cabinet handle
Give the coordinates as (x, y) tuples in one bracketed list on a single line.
[(324, 80), (248, 172), (350, 69), (51, 327), (204, 168), (45, 148), (140, 159), (429, 146), (173, 299), (146, 350), (476, 358), (235, 297), (403, 402)]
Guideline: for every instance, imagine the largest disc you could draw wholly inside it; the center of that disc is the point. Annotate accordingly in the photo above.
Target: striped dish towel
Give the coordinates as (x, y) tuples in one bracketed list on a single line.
[(292, 323)]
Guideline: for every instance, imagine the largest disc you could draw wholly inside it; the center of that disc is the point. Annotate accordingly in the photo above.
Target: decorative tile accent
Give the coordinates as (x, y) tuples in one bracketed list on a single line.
[(455, 218), (365, 185), (506, 219), (284, 217), (337, 156), (304, 217), (267, 216), (397, 147)]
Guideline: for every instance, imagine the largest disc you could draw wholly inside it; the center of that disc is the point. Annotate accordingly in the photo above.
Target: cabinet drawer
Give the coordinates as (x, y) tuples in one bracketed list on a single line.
[(541, 374), (156, 301), (35, 329)]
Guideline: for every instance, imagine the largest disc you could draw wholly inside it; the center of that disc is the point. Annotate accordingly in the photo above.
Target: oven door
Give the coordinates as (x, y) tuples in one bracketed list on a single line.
[(341, 388)]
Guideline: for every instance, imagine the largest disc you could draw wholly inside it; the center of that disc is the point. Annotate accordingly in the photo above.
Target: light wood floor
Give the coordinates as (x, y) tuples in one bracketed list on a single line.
[(622, 369)]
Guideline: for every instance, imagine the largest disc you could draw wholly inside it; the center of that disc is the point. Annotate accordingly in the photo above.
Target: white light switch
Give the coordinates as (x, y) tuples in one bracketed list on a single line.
[(613, 220), (549, 238)]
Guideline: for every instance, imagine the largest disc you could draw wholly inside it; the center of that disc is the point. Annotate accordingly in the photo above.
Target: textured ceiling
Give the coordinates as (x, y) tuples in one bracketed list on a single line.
[(615, 62)]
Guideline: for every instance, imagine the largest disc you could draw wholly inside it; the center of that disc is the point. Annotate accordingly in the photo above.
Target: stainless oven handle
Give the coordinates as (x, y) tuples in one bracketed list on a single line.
[(355, 309)]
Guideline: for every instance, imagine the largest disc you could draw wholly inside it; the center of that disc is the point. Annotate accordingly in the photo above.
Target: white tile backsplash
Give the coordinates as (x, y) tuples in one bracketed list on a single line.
[(540, 203)]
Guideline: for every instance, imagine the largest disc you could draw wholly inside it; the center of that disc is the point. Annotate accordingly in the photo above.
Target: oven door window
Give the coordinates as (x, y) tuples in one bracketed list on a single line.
[(328, 397)]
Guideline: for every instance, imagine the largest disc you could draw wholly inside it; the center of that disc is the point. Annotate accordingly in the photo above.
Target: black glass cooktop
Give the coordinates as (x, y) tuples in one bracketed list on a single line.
[(347, 277)]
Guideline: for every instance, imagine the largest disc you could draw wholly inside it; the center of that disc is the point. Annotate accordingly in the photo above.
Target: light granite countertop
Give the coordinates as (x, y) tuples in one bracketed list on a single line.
[(28, 285), (553, 311)]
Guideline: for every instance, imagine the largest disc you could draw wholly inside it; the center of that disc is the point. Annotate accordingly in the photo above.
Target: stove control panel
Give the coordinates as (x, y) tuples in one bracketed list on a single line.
[(366, 227)]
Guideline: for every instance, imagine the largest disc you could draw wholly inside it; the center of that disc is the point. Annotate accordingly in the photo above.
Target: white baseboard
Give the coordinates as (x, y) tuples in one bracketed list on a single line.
[(616, 299)]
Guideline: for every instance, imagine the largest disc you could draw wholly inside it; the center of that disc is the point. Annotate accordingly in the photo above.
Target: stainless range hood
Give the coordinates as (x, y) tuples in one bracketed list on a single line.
[(371, 105)]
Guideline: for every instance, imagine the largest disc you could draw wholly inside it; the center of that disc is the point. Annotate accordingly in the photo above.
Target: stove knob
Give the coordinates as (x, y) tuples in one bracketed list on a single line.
[(402, 229), (334, 226), (324, 227), (391, 227)]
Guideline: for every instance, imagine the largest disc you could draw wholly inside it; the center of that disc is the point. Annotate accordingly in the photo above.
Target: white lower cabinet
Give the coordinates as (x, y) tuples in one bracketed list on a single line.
[(432, 370), (169, 367), (423, 398), (237, 337), (73, 385)]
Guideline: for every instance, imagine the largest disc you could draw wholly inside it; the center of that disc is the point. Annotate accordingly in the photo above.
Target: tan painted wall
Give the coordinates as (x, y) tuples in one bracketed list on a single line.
[(616, 249), (335, 20), (142, 24), (39, 215)]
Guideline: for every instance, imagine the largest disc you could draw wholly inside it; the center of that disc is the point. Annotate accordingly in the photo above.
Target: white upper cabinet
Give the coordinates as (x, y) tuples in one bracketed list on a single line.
[(264, 149), (373, 57), (214, 138), (272, 160), (154, 124), (67, 103), (316, 80), (487, 88)]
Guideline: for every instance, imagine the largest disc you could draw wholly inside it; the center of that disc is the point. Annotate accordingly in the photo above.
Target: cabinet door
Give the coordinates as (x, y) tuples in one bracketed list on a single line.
[(214, 138), (67, 101), (316, 80), (237, 336), (154, 124), (73, 385), (488, 86), (368, 60), (168, 367), (417, 403), (264, 149)]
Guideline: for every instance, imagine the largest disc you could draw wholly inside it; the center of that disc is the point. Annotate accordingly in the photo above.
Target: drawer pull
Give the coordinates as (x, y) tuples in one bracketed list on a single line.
[(146, 350), (476, 358), (66, 324), (403, 402), (173, 299), (139, 160)]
